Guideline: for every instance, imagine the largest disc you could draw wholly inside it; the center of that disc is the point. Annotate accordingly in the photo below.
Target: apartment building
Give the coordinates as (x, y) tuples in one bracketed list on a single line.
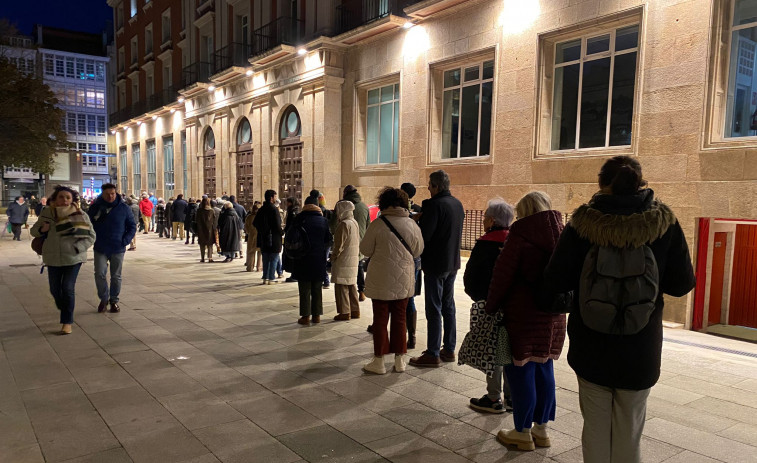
[(505, 95)]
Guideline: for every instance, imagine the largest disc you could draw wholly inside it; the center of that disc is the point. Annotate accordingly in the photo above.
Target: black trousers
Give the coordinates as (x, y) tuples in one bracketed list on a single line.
[(360, 278), (311, 298), (16, 229)]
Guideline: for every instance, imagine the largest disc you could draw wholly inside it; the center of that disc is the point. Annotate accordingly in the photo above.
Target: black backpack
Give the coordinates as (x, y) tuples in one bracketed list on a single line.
[(619, 288), (296, 241)]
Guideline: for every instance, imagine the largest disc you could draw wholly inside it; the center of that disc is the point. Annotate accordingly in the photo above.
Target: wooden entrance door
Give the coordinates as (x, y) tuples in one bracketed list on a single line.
[(209, 173), (290, 171), (716, 285), (743, 306), (244, 178)]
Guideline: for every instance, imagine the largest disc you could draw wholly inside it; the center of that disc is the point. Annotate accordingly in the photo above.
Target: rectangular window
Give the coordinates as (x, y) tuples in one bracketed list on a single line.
[(71, 125), (467, 110), (91, 125), (59, 66), (168, 180), (136, 168), (121, 59), (741, 104), (166, 25), (70, 67), (594, 86), (100, 72), (184, 160), (49, 68), (151, 167), (124, 172), (148, 39), (100, 126), (134, 44), (382, 125), (133, 9), (81, 124), (80, 72)]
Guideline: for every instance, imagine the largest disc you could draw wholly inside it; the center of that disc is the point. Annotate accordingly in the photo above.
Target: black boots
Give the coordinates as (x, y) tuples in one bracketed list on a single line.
[(411, 322)]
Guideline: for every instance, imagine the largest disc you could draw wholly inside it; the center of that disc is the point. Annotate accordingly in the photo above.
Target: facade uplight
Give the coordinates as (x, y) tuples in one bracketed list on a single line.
[(139, 122), (408, 25), (181, 99), (154, 117), (173, 110), (211, 88), (248, 73), (301, 51)]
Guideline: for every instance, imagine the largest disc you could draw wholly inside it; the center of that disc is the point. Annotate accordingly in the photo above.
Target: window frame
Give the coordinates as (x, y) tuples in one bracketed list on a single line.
[(151, 152), (545, 85), (360, 127), (136, 168), (124, 165), (168, 166)]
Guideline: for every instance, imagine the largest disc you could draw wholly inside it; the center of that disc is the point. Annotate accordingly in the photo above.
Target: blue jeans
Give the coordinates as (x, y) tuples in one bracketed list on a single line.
[(440, 306), (279, 264), (532, 388), (101, 276), (270, 263), (62, 287)]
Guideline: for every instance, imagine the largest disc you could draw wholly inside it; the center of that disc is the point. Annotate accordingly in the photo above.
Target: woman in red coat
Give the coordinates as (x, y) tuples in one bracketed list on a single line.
[(536, 337)]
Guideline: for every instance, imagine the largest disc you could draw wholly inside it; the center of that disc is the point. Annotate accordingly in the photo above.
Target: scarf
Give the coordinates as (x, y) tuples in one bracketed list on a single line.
[(70, 221)]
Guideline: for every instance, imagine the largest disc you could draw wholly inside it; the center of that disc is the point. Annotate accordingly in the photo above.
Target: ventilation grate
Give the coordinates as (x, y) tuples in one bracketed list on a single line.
[(719, 349)]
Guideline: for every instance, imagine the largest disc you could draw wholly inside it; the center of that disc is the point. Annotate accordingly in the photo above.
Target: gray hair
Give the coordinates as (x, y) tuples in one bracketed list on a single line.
[(439, 179), (500, 212)]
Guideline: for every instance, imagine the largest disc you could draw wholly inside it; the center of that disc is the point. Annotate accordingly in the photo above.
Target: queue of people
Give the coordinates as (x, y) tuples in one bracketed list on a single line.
[(608, 268)]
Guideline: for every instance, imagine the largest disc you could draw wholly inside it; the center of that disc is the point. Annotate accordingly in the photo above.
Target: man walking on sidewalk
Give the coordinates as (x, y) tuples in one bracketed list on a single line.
[(114, 225), (145, 207), (18, 213), (441, 223)]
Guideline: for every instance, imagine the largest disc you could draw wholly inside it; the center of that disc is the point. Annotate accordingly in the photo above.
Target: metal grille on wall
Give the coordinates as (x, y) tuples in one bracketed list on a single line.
[(473, 227)]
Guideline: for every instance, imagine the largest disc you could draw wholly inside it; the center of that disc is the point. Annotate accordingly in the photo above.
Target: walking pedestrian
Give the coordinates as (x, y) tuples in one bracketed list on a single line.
[(254, 260), (67, 233), (478, 274), (617, 367), (228, 232), (268, 223), (442, 226), (309, 268), (18, 213), (132, 203), (392, 243), (145, 207), (40, 205), (189, 221), (33, 202), (206, 229), (363, 218), (345, 258), (178, 215), (114, 223), (536, 337)]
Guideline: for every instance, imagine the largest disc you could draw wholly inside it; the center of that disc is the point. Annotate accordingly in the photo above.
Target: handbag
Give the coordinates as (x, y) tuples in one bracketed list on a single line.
[(38, 243), (486, 345)]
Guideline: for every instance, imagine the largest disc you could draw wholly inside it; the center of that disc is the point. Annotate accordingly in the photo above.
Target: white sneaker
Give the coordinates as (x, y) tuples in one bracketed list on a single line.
[(399, 363), (376, 366)]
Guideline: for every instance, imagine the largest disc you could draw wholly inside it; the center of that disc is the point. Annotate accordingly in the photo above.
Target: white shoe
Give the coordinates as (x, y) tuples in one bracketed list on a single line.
[(399, 363), (540, 435), (376, 366)]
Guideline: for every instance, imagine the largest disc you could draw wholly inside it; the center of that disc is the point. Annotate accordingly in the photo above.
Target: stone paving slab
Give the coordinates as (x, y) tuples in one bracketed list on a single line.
[(204, 364)]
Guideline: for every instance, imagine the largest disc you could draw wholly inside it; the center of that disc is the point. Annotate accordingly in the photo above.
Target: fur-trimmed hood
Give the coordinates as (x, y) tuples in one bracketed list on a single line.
[(623, 221)]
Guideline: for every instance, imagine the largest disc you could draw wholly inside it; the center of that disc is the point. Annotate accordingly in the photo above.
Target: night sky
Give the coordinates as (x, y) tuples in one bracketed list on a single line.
[(77, 15)]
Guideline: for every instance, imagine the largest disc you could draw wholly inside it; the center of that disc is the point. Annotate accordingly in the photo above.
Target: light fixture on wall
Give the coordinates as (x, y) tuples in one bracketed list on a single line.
[(408, 25), (301, 51), (173, 110), (248, 73), (211, 88), (181, 99), (154, 117), (113, 132), (139, 122)]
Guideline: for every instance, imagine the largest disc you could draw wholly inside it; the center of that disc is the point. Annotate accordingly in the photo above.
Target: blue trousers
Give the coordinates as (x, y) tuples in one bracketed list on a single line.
[(62, 287), (440, 309), (532, 387), (270, 263), (101, 276)]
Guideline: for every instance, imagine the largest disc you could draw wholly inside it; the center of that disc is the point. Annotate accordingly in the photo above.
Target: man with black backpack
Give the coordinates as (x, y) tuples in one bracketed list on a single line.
[(619, 253), (268, 224)]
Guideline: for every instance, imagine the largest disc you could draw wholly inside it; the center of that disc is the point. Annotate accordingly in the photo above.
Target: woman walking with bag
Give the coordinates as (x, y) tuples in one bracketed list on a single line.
[(536, 337), (67, 233), (392, 243), (478, 274), (345, 257)]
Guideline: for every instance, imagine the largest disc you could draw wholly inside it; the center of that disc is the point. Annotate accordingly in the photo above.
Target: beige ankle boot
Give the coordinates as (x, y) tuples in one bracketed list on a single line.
[(376, 366), (399, 363), (540, 436), (521, 440)]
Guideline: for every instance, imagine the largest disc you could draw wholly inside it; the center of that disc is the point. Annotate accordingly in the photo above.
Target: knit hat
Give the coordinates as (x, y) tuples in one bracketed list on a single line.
[(311, 200), (349, 189)]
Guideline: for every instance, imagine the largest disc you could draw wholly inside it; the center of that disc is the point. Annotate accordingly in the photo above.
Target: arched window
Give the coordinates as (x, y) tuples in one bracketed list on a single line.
[(290, 124), (244, 133), (210, 140)]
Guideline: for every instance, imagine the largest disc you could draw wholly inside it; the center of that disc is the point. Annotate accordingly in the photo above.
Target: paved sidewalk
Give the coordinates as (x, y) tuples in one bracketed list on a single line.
[(205, 365)]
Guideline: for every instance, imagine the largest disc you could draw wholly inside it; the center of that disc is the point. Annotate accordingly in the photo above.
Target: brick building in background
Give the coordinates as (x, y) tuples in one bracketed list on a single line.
[(507, 96)]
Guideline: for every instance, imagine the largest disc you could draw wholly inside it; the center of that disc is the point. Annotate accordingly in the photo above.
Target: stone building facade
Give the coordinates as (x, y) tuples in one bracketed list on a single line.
[(507, 96)]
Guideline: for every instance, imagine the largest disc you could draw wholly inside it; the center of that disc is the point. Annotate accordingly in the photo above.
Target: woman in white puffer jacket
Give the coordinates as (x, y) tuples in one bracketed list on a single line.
[(345, 258), (391, 275)]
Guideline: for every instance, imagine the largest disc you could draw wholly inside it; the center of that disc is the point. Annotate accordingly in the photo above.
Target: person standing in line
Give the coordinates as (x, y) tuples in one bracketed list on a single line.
[(228, 232), (114, 223), (363, 218), (132, 203), (178, 214), (254, 256), (169, 221), (478, 274), (161, 224), (206, 229), (392, 243), (18, 213), (217, 204), (442, 226), (154, 202), (345, 258), (293, 208), (268, 223), (242, 214), (68, 234), (617, 371), (280, 262), (189, 221), (412, 313), (145, 207), (309, 269)]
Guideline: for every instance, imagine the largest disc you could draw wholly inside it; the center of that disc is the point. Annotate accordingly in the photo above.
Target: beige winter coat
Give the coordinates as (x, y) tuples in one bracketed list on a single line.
[(391, 272), (345, 254)]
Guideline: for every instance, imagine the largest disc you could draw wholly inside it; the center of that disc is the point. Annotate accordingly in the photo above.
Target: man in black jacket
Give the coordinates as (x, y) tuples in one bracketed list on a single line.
[(268, 224), (178, 215), (442, 226)]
